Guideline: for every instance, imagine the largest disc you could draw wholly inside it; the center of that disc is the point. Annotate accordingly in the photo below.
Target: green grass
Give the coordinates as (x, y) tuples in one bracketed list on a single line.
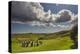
[(58, 43)]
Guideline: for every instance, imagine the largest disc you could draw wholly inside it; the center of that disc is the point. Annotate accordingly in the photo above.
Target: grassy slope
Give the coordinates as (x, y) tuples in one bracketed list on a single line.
[(61, 42)]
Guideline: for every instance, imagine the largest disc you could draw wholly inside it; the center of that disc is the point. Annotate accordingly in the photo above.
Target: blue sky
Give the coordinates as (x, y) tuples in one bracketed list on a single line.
[(55, 8), (27, 28)]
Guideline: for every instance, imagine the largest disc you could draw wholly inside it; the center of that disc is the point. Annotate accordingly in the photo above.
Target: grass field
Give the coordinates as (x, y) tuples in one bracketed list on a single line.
[(55, 41)]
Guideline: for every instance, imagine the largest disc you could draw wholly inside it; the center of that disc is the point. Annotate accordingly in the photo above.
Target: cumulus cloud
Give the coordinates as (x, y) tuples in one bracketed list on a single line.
[(65, 15), (22, 11), (34, 14)]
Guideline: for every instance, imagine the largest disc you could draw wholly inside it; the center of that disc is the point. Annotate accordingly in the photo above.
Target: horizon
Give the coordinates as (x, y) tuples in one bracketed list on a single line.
[(40, 32)]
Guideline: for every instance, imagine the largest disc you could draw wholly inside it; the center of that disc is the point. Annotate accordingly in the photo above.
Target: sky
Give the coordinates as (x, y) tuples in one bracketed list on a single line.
[(32, 17)]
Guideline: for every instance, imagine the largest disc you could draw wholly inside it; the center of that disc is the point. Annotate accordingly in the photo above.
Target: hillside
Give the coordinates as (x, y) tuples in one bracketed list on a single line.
[(51, 41)]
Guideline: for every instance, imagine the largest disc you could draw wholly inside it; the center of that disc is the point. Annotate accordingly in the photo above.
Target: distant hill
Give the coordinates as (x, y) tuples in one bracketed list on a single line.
[(43, 35)]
